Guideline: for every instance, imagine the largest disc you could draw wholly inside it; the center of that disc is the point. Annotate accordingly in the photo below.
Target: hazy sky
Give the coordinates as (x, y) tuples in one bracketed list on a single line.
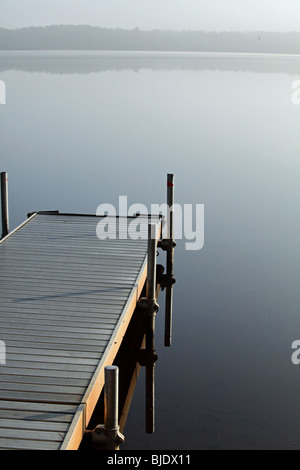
[(208, 15)]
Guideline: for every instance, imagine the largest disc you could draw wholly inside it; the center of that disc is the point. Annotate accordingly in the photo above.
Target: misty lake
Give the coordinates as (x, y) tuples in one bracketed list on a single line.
[(81, 129)]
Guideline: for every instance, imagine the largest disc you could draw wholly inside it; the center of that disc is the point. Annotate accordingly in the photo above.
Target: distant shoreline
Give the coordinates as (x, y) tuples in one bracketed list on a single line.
[(123, 53), (91, 38)]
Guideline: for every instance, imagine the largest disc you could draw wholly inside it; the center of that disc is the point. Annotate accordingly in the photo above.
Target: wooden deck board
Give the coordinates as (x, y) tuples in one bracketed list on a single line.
[(66, 301)]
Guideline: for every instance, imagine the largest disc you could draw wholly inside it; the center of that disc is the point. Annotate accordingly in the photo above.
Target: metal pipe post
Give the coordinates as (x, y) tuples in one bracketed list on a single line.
[(151, 265), (150, 326), (150, 398), (108, 436), (4, 204), (169, 260), (170, 202), (111, 398), (168, 316), (151, 286)]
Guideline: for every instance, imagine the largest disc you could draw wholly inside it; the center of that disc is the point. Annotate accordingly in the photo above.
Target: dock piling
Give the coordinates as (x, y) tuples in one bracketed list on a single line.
[(168, 244), (151, 266), (111, 397), (149, 307), (150, 328), (170, 261), (170, 202), (108, 436), (4, 204)]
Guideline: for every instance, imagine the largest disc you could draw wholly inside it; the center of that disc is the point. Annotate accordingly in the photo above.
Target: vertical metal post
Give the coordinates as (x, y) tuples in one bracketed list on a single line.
[(170, 202), (150, 327), (111, 398), (151, 286), (150, 398), (151, 265), (108, 436), (168, 315), (169, 260), (4, 204)]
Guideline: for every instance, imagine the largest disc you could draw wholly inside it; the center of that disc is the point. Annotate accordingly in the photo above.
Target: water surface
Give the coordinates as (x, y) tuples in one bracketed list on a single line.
[(80, 129)]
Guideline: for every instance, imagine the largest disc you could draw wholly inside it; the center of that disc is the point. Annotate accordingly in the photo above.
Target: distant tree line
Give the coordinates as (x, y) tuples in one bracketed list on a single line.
[(72, 37)]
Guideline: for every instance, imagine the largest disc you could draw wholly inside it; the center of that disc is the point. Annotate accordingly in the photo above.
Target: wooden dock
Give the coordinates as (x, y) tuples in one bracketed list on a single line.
[(66, 301)]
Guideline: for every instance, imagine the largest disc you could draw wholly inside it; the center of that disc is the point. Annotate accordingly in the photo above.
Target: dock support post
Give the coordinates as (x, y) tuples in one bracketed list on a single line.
[(4, 204), (111, 397), (148, 304), (170, 260), (150, 328), (149, 307), (151, 265), (108, 436), (170, 202), (168, 244)]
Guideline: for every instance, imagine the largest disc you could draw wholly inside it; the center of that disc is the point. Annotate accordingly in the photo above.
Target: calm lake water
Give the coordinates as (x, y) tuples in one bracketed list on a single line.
[(81, 129)]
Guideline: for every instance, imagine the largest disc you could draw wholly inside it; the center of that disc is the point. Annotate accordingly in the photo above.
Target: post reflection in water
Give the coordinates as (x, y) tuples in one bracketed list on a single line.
[(138, 350)]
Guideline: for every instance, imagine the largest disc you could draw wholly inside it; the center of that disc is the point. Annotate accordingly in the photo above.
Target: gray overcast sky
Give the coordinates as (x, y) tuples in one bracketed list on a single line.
[(206, 15)]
